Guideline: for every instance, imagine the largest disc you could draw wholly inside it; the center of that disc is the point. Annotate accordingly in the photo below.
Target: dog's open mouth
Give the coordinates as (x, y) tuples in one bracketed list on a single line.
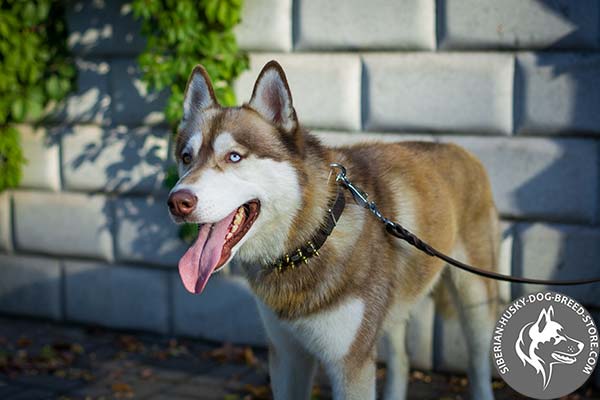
[(213, 247), (563, 358)]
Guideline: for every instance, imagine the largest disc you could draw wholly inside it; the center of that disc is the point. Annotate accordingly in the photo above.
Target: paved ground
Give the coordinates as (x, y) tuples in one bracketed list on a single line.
[(41, 360)]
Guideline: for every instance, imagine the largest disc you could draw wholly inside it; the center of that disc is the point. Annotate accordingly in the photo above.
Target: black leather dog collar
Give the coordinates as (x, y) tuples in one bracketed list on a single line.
[(311, 248)]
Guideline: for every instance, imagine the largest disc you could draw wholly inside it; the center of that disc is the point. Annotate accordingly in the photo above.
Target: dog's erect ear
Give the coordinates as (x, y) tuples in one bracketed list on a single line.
[(272, 98), (199, 93)]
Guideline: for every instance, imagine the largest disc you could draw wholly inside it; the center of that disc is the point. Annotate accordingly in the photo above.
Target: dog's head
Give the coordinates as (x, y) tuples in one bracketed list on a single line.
[(544, 343), (237, 176)]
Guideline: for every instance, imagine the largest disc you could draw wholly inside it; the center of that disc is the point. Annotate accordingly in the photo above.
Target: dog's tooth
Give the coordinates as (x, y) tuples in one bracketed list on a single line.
[(234, 228), (229, 236)]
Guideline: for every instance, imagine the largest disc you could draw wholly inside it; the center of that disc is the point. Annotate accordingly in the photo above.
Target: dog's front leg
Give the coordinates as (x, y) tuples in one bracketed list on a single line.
[(351, 380), (291, 367), (292, 371), (396, 380)]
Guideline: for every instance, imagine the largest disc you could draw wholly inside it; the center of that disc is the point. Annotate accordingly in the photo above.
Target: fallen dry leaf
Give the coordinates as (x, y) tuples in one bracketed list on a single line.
[(498, 385), (230, 353), (61, 373), (24, 342), (316, 391), (262, 392), (120, 387), (146, 373), (421, 376), (130, 344), (249, 357), (77, 348)]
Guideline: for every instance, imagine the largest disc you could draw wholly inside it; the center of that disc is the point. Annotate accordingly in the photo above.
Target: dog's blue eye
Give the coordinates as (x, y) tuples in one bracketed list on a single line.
[(234, 157)]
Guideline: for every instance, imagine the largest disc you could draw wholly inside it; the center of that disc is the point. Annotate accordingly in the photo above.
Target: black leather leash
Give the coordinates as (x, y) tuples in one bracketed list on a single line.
[(397, 230)]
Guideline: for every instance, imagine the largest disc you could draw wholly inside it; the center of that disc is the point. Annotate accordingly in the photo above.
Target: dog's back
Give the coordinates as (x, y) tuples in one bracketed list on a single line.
[(440, 192)]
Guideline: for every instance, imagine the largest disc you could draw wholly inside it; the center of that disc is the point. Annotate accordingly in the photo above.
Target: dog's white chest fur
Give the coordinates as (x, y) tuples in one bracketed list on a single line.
[(330, 334)]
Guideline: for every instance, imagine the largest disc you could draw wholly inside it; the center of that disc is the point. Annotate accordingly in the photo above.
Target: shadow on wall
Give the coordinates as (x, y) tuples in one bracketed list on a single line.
[(118, 159), (130, 163), (129, 297), (559, 93), (92, 33)]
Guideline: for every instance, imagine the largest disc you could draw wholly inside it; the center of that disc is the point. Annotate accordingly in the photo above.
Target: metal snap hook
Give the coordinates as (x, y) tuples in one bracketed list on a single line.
[(341, 176), (360, 197)]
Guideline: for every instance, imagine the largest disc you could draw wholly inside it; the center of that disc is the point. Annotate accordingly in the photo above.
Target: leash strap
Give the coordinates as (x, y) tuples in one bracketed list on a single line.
[(397, 230)]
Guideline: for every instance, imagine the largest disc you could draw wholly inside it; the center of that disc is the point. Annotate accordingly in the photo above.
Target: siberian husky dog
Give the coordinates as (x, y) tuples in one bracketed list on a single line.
[(257, 185)]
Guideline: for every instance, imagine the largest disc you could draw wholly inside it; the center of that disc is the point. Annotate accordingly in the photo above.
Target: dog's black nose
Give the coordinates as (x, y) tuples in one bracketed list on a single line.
[(182, 203)]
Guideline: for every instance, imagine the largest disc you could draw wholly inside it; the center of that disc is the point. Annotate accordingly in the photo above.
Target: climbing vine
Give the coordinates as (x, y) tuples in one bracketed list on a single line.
[(36, 69)]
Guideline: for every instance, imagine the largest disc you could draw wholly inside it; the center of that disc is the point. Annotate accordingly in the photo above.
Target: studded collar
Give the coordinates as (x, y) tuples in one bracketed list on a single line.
[(311, 248)]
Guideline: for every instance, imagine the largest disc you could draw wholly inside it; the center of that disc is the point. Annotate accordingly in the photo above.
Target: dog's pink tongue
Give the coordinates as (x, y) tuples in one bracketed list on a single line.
[(201, 259)]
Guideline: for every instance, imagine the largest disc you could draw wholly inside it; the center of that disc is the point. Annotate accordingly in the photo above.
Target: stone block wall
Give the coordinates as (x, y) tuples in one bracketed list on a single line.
[(87, 237)]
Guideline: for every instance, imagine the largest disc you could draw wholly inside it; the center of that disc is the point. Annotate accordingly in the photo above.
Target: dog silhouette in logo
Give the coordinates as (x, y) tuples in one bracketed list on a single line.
[(544, 343)]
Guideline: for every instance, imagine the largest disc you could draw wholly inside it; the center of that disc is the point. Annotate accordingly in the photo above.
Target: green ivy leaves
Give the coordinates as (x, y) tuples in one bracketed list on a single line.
[(11, 157), (224, 12), (35, 69), (180, 35)]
